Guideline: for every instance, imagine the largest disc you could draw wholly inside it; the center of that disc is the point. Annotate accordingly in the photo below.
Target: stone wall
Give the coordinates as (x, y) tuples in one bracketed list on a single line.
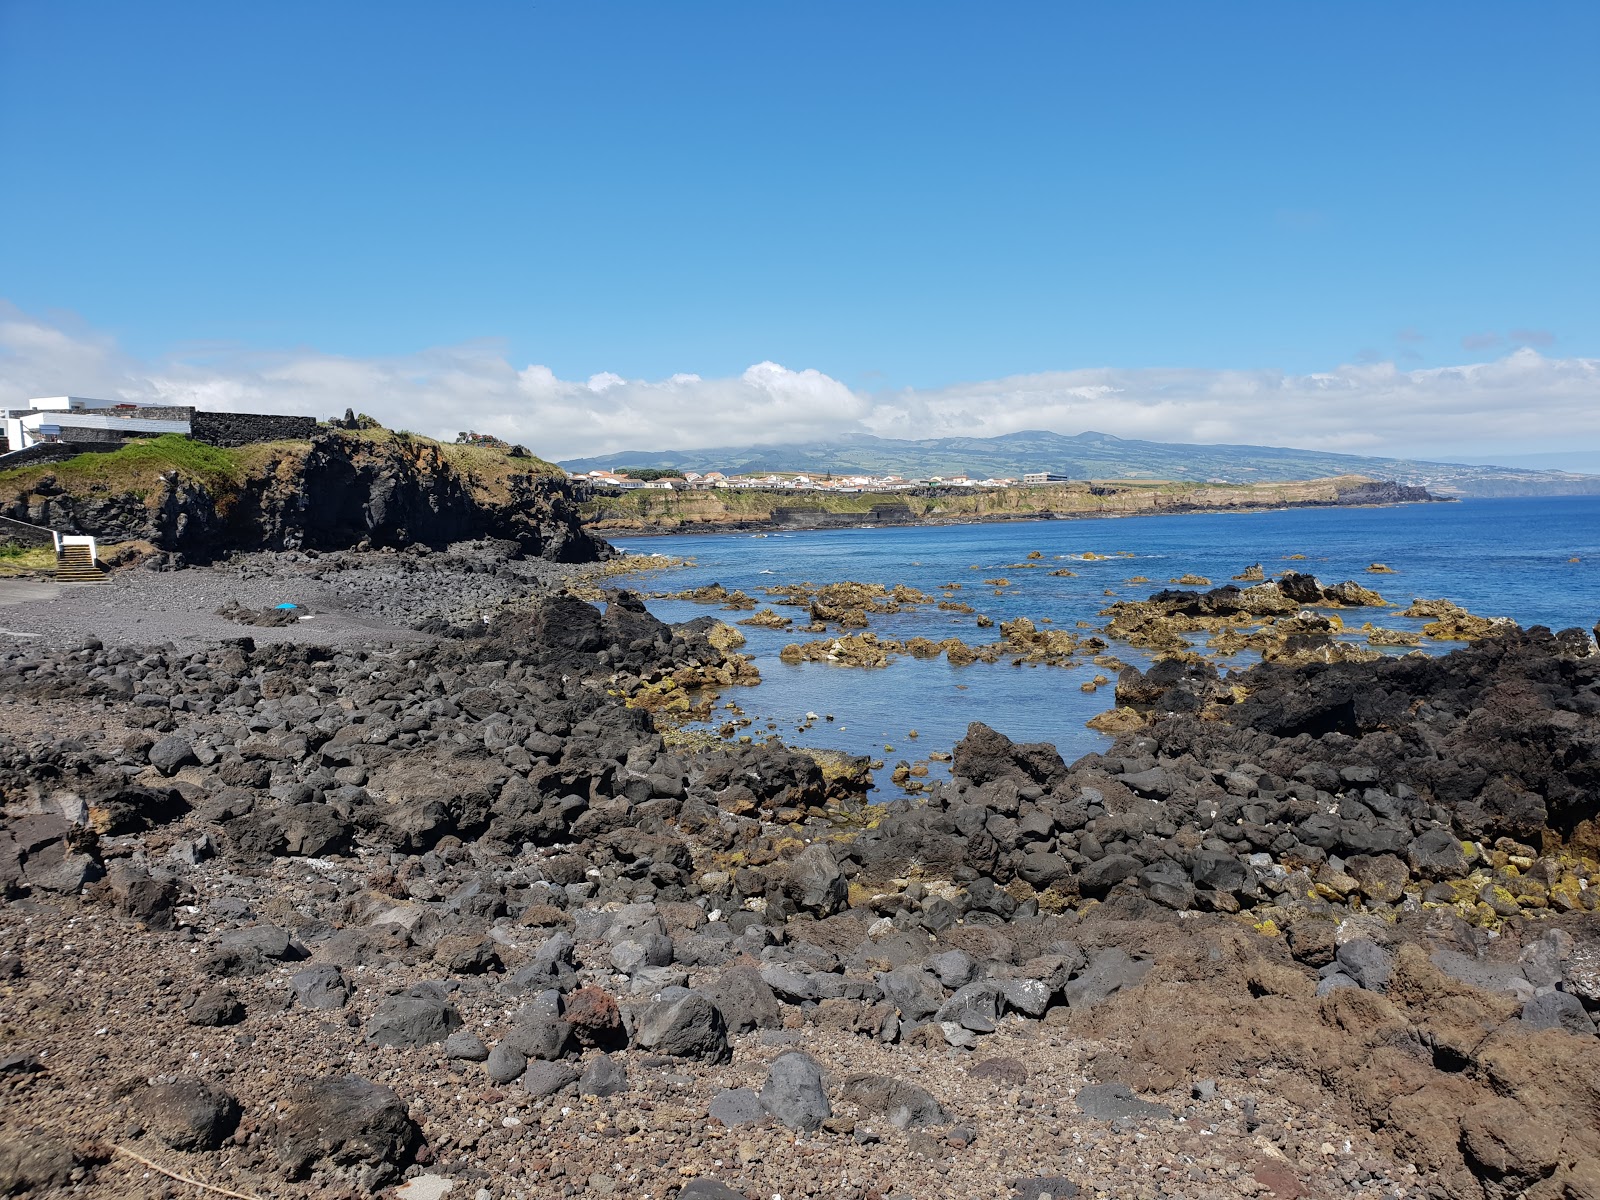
[(243, 429), (23, 534)]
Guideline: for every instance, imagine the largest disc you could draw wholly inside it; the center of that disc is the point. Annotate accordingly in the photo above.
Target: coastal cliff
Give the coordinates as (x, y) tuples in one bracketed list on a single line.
[(655, 511), (338, 490)]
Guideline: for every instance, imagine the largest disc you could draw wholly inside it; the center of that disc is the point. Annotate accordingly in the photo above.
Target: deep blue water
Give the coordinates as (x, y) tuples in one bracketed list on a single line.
[(1494, 557)]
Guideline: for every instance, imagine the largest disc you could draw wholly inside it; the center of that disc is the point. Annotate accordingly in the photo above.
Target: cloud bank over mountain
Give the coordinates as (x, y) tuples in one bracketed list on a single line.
[(1523, 402)]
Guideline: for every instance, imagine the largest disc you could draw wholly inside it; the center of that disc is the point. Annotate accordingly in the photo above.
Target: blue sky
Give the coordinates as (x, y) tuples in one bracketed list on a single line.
[(895, 195)]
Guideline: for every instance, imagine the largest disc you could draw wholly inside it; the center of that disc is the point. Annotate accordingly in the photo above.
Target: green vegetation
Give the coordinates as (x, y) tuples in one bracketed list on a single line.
[(135, 465), (15, 559)]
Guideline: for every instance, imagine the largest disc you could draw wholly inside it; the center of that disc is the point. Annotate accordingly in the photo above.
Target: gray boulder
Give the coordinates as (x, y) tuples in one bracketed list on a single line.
[(539, 1035), (321, 987), (215, 1007), (604, 1076), (813, 881), (1041, 868), (1218, 871), (189, 1114), (1044, 1187), (547, 1078), (975, 1006), (466, 1046), (171, 754), (746, 1000), (1028, 996), (793, 1091), (1165, 882), (1331, 983), (1368, 963), (708, 1189), (505, 1063), (1558, 1010), (688, 1027), (1100, 876), (345, 1123), (1437, 854), (419, 1017), (954, 967), (913, 991)]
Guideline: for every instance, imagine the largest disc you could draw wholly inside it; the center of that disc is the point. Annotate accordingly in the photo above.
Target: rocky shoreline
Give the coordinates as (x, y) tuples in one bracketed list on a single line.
[(444, 911)]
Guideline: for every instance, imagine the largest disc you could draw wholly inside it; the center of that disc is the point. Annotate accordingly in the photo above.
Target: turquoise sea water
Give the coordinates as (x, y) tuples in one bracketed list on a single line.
[(1494, 557)]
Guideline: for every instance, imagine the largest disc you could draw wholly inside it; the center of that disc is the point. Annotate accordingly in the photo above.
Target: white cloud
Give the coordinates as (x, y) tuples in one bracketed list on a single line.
[(1524, 402)]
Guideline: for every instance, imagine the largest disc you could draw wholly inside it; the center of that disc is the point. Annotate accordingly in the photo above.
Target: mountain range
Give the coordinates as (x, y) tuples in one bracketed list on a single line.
[(1094, 456)]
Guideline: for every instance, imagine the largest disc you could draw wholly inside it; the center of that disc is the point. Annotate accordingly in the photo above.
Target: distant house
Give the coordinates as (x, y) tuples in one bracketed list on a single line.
[(1044, 477), (616, 480)]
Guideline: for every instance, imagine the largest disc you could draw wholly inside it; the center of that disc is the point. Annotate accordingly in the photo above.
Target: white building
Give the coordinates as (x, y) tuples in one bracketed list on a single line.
[(81, 419)]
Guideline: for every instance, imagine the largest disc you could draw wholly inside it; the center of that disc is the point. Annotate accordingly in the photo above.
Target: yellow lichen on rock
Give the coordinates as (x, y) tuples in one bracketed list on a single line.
[(724, 636), (1452, 623)]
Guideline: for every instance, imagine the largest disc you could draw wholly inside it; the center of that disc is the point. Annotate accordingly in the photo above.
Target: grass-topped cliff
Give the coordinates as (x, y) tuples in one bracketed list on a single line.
[(340, 488), (663, 511)]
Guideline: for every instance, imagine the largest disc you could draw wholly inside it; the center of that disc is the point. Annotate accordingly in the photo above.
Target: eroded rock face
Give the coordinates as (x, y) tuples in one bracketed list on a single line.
[(340, 490)]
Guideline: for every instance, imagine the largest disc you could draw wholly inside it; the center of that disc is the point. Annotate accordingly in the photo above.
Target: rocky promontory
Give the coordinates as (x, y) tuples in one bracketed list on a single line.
[(341, 489)]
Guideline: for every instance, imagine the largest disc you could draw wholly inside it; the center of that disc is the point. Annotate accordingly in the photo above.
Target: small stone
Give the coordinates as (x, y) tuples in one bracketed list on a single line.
[(505, 1063), (604, 1076), (215, 1007), (547, 1078), (320, 987), (464, 1045)]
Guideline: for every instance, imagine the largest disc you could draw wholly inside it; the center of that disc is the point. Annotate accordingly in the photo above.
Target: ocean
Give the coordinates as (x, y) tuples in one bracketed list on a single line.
[(1536, 560)]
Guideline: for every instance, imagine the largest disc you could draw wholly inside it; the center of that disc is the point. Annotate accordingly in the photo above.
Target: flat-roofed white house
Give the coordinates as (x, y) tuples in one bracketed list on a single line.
[(79, 419)]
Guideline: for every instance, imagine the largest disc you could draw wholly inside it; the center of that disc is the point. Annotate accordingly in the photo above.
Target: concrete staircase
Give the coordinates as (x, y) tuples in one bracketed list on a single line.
[(76, 564)]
